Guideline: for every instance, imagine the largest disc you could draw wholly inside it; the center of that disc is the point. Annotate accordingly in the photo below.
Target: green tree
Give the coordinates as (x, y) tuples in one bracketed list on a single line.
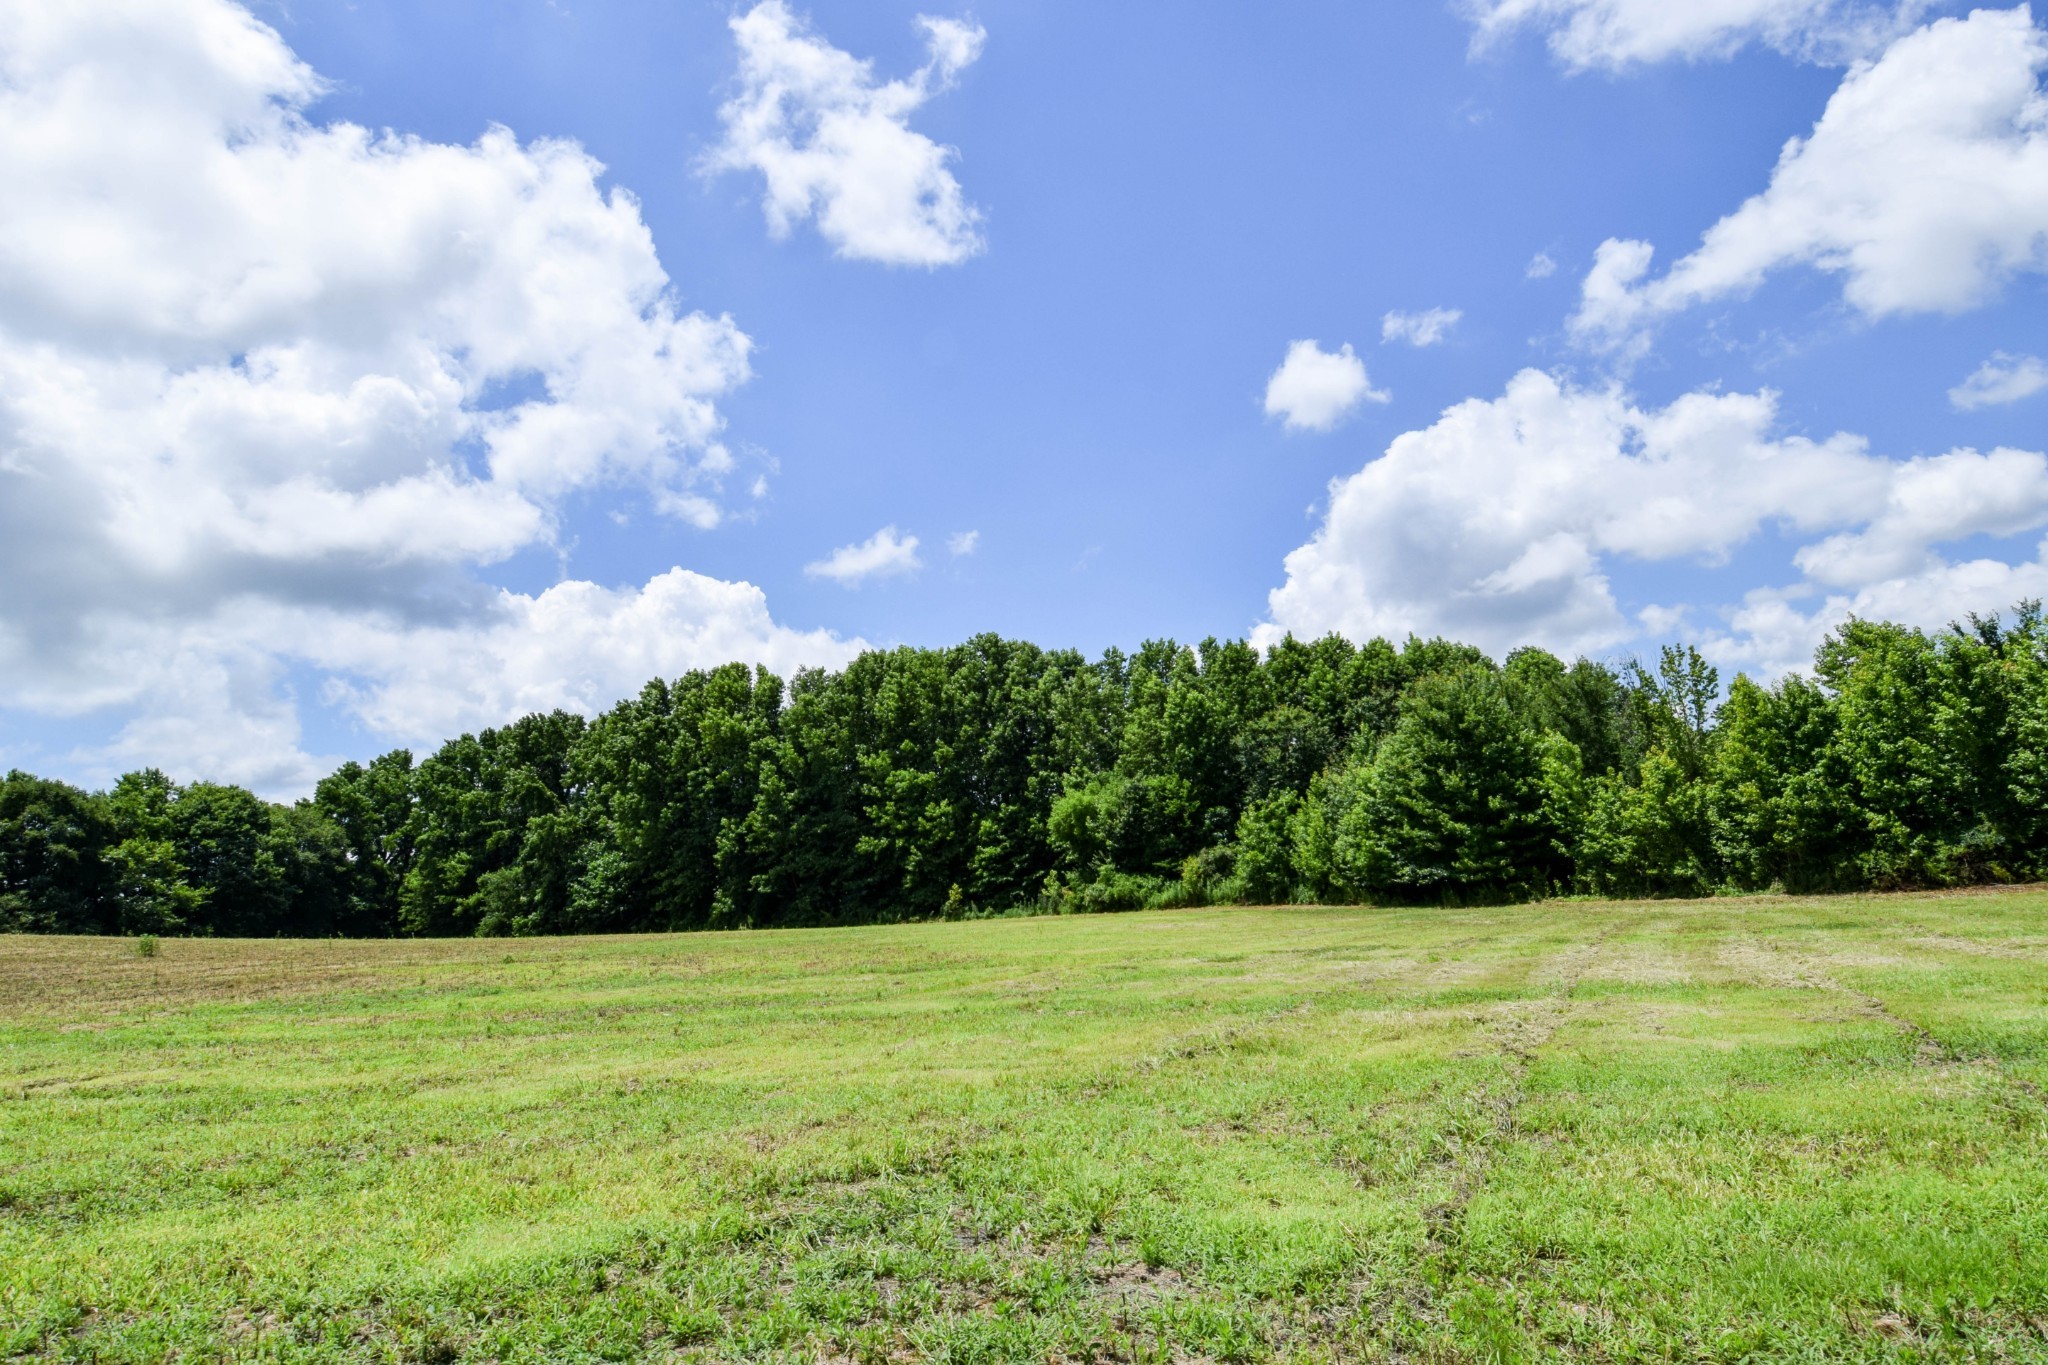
[(671, 781), (1920, 737), (1651, 836), (1455, 803), (1779, 800), (372, 806), (1586, 703), (53, 874), (475, 798), (223, 837), (1265, 848), (154, 891), (2023, 767)]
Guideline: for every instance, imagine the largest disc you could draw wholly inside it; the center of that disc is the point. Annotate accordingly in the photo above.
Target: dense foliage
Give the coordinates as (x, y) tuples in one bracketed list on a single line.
[(996, 776)]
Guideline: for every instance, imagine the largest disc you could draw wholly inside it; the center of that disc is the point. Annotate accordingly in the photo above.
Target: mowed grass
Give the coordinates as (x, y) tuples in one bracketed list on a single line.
[(1746, 1129)]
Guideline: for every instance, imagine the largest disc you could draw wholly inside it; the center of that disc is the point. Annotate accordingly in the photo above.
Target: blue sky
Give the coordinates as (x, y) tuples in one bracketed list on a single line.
[(1168, 197)]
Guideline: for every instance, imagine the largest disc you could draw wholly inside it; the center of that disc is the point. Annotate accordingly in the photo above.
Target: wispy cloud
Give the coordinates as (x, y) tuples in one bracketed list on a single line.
[(1419, 329), (1617, 34), (2001, 379), (884, 554)]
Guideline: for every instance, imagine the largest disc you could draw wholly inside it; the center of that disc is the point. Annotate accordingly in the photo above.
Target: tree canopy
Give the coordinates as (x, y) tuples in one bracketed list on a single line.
[(996, 776)]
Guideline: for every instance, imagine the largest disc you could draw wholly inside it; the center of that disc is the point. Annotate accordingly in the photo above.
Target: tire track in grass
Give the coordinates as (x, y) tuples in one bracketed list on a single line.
[(1395, 1314), (1110, 1274), (1136, 1072), (2029, 952), (1930, 1051), (1522, 1035), (1208, 1042), (1283, 1328), (1929, 1048), (1112, 1284), (1189, 1046)]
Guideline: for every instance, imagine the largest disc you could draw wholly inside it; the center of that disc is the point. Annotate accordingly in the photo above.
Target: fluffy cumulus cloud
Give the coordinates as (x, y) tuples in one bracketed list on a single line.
[(1614, 34), (1315, 389), (507, 659), (1499, 523), (885, 554), (270, 385), (2001, 379), (1419, 329), (1930, 501), (1776, 630), (1924, 186), (834, 143)]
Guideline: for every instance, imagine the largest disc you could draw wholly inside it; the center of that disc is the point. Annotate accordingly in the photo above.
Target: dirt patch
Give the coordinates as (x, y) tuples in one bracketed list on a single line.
[(1134, 1282)]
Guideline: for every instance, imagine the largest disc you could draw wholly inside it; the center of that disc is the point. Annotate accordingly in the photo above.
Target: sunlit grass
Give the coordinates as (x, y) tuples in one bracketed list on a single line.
[(1766, 1129)]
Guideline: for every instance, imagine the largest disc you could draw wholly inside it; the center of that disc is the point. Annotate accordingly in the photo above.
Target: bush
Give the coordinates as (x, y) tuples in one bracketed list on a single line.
[(1209, 877), (1112, 891), (145, 946)]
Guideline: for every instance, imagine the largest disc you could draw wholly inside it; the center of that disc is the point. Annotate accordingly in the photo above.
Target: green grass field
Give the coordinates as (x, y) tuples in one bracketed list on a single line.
[(1762, 1129)]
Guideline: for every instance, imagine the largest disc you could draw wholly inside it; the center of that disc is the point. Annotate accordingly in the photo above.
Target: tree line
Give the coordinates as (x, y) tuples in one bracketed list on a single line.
[(998, 777)]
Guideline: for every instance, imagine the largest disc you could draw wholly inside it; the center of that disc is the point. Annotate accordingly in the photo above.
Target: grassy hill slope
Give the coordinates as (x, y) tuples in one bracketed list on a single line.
[(1700, 1130)]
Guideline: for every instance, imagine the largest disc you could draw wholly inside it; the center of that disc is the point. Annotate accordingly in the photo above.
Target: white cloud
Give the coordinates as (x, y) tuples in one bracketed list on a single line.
[(1662, 621), (211, 695), (963, 543), (1499, 523), (1315, 389), (1933, 500), (884, 554), (1614, 34), (1924, 184), (427, 683), (1776, 630), (2001, 379), (1541, 267), (833, 142), (215, 708), (1419, 329), (258, 370)]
